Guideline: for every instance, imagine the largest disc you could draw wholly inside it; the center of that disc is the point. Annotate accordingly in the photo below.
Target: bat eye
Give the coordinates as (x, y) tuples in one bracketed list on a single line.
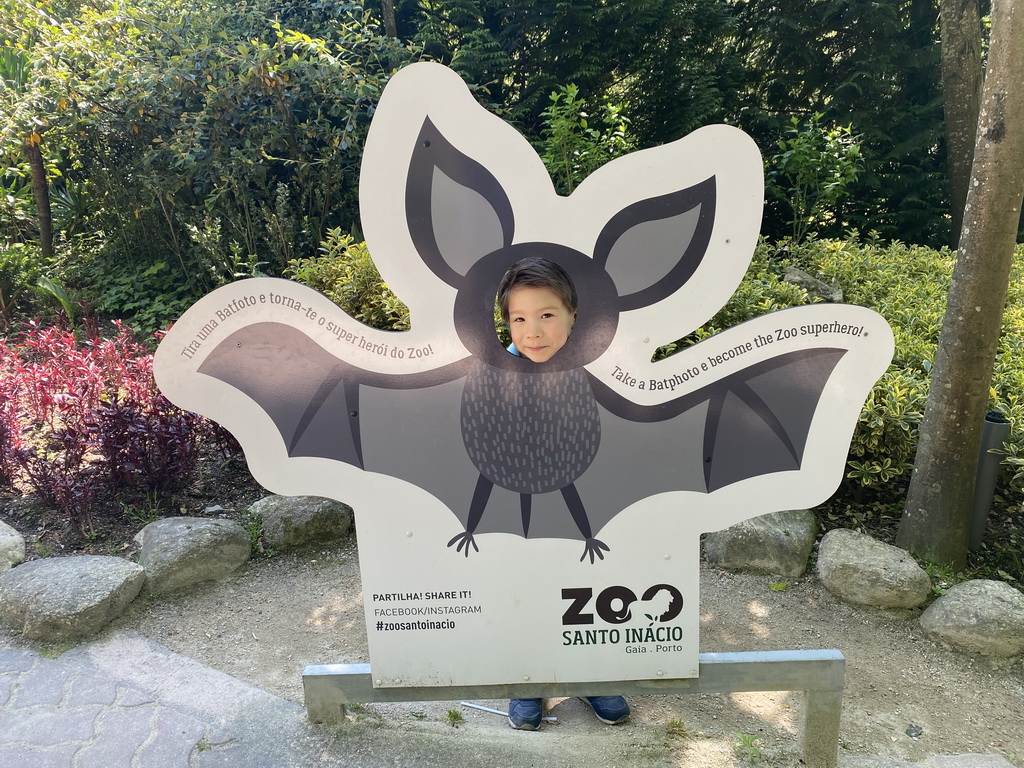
[(426, 142), (354, 414)]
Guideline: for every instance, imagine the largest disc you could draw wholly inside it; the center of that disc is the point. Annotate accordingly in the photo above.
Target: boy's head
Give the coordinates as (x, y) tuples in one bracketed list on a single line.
[(538, 301)]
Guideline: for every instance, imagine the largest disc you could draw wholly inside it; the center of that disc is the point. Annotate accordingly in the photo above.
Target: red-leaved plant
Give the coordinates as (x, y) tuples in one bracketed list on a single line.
[(81, 420)]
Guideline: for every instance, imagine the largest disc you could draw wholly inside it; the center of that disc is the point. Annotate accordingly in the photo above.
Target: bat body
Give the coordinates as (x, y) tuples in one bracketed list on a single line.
[(530, 433)]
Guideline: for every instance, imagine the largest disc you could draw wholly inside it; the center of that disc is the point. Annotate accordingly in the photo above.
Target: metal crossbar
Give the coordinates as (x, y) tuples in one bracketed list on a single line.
[(818, 674)]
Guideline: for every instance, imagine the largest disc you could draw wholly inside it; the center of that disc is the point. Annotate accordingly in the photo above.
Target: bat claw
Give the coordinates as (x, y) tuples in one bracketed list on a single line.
[(594, 547), (464, 539)]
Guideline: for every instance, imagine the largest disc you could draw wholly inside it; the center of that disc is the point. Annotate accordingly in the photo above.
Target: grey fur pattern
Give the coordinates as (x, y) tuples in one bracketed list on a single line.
[(530, 432)]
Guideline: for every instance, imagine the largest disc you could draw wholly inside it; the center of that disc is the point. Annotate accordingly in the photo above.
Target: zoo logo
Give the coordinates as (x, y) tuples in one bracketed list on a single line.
[(614, 604)]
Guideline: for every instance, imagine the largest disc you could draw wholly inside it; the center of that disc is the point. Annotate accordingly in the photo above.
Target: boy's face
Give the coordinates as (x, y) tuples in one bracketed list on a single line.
[(540, 322)]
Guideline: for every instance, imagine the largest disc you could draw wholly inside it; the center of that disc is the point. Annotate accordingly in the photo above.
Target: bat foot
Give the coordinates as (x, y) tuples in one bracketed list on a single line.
[(465, 539), (593, 548)]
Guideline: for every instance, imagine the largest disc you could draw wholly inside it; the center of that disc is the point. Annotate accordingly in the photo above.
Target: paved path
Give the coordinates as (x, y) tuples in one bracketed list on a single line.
[(123, 701)]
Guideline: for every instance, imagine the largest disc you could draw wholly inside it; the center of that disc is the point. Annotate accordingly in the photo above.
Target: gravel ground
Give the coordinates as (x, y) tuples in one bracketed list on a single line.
[(273, 617)]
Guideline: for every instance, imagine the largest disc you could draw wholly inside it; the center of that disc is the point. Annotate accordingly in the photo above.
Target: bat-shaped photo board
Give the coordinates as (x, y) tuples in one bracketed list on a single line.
[(524, 515)]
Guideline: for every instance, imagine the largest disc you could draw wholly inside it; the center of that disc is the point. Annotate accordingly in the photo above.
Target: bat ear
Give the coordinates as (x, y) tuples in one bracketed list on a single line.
[(652, 247), (456, 209)]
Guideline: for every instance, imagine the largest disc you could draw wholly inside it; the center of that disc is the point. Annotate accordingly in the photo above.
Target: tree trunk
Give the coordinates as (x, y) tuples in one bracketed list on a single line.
[(962, 78), (387, 10), (936, 522), (41, 193)]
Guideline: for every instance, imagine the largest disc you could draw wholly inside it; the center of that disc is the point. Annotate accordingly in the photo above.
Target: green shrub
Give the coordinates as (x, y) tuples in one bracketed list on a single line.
[(346, 274), (577, 143), (906, 284), (16, 220), (150, 296), (885, 441), (19, 272), (811, 172), (189, 142)]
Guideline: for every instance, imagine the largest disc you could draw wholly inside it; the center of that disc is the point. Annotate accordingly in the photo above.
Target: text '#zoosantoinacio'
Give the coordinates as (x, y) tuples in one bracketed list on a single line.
[(401, 626)]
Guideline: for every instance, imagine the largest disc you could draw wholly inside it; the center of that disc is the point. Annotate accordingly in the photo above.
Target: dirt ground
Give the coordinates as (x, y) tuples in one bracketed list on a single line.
[(272, 618)]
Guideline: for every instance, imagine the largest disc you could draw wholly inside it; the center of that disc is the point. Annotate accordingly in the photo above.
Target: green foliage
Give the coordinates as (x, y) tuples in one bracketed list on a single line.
[(676, 65), (885, 441), (747, 748), (812, 172), (873, 66), (473, 38), (346, 274), (676, 728), (204, 139), (908, 286), (257, 540), (454, 718), (575, 144), (504, 332), (153, 295), (16, 225), (685, 73), (943, 577), (19, 274), (56, 290), (1007, 389), (144, 512)]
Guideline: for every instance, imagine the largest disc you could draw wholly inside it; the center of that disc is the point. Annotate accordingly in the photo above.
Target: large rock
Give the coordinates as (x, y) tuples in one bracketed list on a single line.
[(859, 569), (64, 598), (979, 616), (778, 543), (12, 547), (296, 521), (178, 552), (815, 288)]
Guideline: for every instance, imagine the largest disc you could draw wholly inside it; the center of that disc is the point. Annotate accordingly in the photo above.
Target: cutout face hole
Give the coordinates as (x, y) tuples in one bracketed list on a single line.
[(537, 302)]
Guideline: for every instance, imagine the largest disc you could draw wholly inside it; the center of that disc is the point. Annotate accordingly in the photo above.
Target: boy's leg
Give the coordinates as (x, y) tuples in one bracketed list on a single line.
[(525, 714), (609, 709)]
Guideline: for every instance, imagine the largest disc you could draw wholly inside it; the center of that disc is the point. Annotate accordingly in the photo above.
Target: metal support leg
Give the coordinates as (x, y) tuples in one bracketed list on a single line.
[(820, 731)]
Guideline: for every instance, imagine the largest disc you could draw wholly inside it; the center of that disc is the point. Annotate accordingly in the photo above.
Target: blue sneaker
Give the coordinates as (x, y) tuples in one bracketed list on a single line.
[(525, 714), (609, 709)]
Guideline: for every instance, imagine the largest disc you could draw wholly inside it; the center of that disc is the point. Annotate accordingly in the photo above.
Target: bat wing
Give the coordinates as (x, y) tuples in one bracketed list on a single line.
[(752, 423), (313, 397)]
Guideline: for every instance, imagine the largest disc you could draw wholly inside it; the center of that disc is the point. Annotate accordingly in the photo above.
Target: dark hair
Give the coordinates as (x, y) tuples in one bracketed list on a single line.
[(537, 272)]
